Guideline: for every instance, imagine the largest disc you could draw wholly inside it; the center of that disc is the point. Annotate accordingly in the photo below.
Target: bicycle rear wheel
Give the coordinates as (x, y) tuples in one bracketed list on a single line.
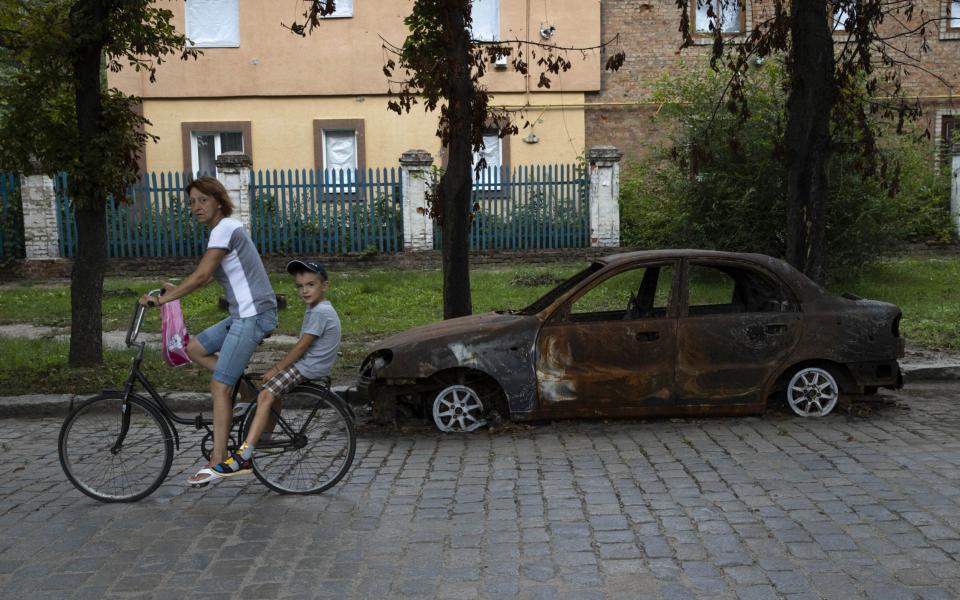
[(101, 464), (312, 446)]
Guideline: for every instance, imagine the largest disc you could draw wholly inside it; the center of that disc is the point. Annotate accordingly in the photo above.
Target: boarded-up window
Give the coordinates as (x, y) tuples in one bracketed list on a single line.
[(213, 23)]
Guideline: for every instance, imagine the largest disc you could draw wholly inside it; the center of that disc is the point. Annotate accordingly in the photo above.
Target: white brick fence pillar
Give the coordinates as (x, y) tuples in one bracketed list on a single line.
[(415, 175), (233, 171), (955, 193), (41, 239), (604, 195)]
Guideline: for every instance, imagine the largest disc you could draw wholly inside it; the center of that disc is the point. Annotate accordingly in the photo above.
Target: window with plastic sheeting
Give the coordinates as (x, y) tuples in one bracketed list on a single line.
[(213, 23), (344, 8), (339, 150), (492, 153), (726, 15), (486, 20)]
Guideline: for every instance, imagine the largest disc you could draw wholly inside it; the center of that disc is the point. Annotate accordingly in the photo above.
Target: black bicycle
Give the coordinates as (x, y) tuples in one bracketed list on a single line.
[(118, 446)]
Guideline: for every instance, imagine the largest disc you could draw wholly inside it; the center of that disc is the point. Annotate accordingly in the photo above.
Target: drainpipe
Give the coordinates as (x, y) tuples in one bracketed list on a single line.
[(526, 52), (955, 193)]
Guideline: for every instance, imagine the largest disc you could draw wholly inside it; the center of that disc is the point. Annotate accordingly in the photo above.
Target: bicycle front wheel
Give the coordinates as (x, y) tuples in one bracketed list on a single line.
[(115, 450), (311, 447)]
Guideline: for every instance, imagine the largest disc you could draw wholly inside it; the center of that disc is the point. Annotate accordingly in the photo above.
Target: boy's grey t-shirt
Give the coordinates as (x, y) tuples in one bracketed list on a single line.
[(323, 322)]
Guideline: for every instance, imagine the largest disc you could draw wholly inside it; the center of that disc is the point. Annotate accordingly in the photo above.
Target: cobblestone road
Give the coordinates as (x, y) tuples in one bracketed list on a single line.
[(851, 506)]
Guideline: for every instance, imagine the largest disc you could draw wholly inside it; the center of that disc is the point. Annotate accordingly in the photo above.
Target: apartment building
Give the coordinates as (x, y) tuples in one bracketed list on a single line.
[(320, 101)]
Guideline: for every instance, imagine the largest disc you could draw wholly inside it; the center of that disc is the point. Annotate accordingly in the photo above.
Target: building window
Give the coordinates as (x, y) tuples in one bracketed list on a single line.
[(954, 15), (950, 138), (203, 142), (494, 152), (213, 23), (339, 144), (339, 149), (343, 9), (726, 15), (486, 20), (841, 15)]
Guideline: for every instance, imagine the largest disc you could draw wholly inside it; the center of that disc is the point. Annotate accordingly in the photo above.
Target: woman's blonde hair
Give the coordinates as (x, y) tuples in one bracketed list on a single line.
[(212, 187)]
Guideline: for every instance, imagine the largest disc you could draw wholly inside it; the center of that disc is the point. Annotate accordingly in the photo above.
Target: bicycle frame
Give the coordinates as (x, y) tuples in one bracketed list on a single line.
[(136, 375)]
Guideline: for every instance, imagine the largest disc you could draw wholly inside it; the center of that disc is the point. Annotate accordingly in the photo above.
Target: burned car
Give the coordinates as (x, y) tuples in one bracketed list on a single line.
[(671, 332)]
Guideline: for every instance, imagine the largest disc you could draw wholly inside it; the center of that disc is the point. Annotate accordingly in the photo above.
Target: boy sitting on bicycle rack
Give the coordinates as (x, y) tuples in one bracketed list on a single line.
[(312, 357)]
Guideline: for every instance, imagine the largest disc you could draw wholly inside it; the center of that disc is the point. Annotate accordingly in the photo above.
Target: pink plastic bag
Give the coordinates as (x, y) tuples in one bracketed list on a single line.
[(173, 333)]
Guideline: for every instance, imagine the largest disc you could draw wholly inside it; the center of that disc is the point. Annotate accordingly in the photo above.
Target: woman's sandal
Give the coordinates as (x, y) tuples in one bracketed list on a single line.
[(203, 477)]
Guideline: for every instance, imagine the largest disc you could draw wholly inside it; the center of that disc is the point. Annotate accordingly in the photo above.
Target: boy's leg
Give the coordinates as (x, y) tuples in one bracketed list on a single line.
[(271, 397), (263, 419)]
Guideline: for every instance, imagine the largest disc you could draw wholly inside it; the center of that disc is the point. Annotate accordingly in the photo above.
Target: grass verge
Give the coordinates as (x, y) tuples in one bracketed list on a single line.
[(376, 303)]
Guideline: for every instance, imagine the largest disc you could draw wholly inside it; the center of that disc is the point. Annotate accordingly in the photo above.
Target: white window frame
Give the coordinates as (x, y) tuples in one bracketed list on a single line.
[(230, 8), (195, 148), (343, 10), (493, 182), (722, 7)]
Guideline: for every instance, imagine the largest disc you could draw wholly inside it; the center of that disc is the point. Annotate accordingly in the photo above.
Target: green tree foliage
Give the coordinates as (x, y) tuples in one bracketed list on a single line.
[(845, 61), (58, 114), (721, 182)]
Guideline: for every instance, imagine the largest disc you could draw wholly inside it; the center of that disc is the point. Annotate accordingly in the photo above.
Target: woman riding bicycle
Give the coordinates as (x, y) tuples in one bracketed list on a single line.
[(225, 349)]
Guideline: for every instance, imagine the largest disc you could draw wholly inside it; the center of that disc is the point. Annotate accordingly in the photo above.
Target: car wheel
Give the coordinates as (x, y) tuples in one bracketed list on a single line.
[(812, 392), (458, 409)]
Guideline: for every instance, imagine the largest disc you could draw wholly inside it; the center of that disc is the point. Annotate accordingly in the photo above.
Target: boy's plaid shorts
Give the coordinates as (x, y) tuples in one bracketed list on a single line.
[(284, 381)]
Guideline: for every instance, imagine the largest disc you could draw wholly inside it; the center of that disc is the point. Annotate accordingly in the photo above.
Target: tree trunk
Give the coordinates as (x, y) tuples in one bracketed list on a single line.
[(87, 19), (807, 136), (457, 180)]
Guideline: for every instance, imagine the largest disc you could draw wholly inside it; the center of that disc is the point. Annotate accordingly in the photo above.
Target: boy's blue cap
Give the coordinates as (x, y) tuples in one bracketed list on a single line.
[(310, 265)]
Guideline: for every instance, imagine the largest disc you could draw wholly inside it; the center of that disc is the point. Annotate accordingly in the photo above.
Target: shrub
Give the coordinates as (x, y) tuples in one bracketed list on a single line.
[(721, 183)]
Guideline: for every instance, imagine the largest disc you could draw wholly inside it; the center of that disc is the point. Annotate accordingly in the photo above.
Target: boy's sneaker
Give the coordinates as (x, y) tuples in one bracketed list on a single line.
[(234, 465)]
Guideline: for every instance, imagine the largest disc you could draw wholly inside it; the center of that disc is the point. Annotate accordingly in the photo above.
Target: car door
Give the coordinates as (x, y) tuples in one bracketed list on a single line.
[(611, 347), (738, 325)]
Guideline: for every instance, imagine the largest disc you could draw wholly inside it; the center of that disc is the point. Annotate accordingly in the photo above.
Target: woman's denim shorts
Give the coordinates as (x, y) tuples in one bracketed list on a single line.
[(236, 339)]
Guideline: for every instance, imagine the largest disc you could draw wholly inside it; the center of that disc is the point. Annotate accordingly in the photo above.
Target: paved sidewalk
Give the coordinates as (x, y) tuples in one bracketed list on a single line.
[(858, 505)]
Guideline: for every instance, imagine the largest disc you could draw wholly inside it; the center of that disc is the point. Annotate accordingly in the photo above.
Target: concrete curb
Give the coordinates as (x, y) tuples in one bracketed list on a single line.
[(59, 405), (191, 403)]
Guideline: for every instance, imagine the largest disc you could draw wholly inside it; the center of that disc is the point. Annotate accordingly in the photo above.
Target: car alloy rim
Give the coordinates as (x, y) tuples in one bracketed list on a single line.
[(812, 392), (458, 409)]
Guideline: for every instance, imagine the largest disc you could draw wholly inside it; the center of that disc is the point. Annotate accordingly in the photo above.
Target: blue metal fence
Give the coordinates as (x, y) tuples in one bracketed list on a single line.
[(336, 212), (154, 219), (529, 207), (327, 211), (11, 217)]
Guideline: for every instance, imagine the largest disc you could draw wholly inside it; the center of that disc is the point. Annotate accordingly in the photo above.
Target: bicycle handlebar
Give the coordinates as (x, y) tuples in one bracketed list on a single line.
[(138, 311)]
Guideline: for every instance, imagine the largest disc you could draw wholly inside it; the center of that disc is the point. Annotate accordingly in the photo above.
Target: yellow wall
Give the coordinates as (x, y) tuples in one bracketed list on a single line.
[(282, 128), (346, 57)]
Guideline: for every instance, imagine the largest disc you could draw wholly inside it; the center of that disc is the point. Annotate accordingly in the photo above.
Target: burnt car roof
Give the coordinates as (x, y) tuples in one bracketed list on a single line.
[(805, 287)]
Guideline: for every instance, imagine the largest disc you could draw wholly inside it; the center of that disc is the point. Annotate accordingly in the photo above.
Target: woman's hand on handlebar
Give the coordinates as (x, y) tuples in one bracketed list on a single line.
[(148, 300), (152, 298)]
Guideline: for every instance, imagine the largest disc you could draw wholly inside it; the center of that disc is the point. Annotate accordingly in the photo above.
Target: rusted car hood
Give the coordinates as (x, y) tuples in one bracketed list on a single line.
[(474, 327)]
